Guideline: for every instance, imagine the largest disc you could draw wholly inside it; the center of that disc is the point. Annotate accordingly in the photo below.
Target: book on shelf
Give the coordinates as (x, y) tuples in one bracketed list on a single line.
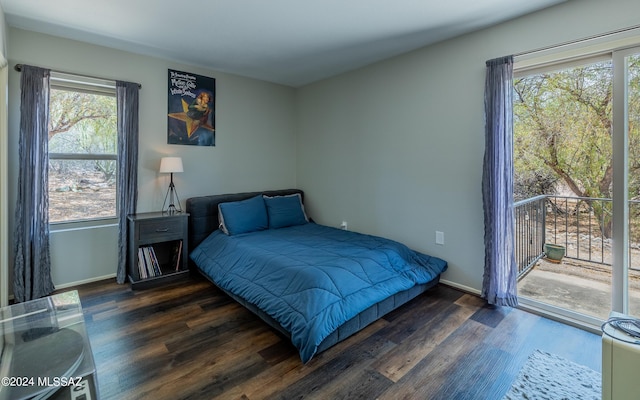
[(148, 262), (154, 262), (177, 262), (142, 269), (148, 265)]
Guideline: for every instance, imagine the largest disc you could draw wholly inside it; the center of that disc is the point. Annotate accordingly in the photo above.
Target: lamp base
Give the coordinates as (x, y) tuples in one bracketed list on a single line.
[(171, 194), (171, 210)]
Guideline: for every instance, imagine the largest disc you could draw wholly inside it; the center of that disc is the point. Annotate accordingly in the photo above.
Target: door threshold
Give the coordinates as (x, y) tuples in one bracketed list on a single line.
[(581, 321)]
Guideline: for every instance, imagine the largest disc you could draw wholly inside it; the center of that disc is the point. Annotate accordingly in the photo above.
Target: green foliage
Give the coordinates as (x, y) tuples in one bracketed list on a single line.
[(532, 183), (633, 101), (83, 123), (563, 128)]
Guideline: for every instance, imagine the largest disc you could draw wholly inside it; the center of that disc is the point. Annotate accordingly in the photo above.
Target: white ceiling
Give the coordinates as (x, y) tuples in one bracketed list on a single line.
[(293, 42)]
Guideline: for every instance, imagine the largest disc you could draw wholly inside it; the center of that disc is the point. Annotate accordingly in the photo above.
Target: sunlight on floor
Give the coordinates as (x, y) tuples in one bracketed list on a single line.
[(577, 286)]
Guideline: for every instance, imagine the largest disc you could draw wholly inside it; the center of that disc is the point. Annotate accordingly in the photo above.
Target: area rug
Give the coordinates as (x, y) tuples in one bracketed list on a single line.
[(547, 376)]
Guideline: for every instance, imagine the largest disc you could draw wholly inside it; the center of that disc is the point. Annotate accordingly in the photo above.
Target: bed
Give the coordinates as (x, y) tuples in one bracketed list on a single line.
[(316, 285)]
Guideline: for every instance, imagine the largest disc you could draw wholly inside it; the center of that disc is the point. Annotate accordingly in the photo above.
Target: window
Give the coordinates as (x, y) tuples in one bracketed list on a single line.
[(82, 149)]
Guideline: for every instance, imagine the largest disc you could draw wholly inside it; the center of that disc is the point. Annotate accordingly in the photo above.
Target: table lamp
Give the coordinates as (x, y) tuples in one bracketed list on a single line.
[(170, 165)]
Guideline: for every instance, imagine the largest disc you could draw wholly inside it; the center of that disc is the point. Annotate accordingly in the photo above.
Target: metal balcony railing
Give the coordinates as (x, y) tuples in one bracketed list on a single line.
[(529, 232), (581, 224)]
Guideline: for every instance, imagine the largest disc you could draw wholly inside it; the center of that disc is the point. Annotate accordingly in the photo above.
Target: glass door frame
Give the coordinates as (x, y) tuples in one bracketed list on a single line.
[(620, 143)]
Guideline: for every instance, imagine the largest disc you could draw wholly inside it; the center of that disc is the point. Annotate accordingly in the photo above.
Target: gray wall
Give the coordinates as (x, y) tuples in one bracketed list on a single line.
[(255, 140), (396, 148)]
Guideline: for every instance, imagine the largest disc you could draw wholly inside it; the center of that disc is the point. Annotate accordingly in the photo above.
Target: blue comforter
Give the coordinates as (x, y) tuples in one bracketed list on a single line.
[(312, 278)]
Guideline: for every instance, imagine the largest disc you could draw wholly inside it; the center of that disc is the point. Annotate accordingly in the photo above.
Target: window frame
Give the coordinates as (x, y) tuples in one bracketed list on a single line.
[(102, 87)]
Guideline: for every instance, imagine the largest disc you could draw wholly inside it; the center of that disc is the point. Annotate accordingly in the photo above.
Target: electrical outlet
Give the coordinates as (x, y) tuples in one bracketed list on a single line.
[(343, 225), (439, 237)]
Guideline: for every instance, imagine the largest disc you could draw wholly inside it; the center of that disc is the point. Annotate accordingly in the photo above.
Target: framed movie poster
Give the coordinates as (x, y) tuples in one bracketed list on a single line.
[(191, 118)]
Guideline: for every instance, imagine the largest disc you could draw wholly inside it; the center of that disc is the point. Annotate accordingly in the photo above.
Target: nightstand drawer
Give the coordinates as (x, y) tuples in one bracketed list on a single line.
[(160, 229)]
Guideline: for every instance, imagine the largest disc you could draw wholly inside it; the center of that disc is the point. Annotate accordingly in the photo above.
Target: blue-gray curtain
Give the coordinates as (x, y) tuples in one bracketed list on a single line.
[(499, 285), (32, 266), (127, 188)]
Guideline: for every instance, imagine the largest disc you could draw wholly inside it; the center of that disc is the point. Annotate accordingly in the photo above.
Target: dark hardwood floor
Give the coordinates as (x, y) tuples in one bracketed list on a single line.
[(190, 341)]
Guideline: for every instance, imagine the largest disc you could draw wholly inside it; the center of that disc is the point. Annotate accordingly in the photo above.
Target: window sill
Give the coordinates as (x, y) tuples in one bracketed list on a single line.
[(81, 225)]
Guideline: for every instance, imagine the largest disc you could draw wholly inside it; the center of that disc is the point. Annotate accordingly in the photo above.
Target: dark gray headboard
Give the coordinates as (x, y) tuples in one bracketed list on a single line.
[(203, 210)]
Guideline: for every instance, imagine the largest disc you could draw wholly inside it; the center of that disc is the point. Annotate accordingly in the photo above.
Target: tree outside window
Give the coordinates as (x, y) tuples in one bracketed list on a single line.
[(82, 153), (563, 134)]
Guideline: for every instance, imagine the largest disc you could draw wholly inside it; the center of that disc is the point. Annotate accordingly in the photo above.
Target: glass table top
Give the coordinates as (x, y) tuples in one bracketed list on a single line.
[(44, 346)]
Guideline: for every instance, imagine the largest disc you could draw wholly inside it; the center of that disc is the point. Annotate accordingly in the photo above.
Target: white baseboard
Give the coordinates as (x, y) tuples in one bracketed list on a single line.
[(82, 282), (461, 287)]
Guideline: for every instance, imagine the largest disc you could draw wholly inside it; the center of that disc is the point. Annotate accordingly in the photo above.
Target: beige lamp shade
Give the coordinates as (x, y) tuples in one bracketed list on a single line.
[(171, 164)]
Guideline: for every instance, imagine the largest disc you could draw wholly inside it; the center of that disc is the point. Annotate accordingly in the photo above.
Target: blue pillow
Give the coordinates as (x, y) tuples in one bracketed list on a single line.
[(285, 211), (243, 216)]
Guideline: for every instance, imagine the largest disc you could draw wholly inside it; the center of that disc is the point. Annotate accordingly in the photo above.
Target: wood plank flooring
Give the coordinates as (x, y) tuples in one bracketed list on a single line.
[(188, 340)]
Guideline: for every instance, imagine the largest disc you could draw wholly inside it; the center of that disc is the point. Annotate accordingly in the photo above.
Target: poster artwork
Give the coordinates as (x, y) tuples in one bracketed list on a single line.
[(191, 118)]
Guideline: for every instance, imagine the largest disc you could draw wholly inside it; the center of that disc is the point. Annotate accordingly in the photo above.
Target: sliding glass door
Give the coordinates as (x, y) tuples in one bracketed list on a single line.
[(626, 296), (577, 176)]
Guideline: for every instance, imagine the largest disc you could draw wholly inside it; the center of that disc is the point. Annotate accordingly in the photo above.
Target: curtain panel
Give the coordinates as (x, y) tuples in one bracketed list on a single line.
[(127, 189), (32, 266), (499, 285)]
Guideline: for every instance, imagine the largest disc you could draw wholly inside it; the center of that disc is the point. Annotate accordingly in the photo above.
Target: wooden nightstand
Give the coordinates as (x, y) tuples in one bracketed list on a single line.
[(158, 248)]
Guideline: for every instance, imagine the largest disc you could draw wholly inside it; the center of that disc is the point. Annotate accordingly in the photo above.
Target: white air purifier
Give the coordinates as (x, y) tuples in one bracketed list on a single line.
[(620, 363)]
